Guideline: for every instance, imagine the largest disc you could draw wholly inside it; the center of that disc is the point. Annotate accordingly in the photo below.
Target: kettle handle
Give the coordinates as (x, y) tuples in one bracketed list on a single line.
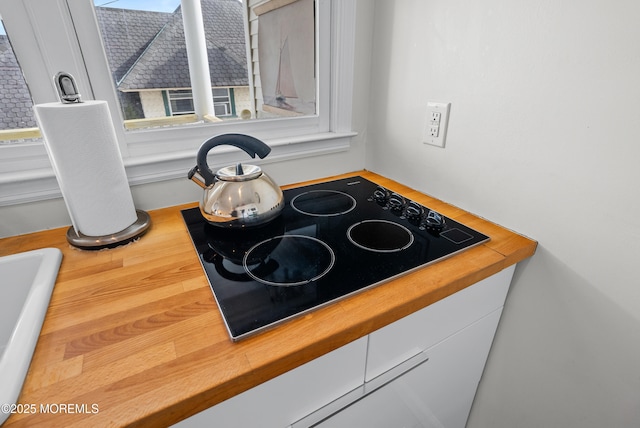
[(252, 146)]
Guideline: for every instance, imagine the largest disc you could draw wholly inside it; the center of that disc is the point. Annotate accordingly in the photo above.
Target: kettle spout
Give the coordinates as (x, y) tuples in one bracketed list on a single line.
[(194, 175)]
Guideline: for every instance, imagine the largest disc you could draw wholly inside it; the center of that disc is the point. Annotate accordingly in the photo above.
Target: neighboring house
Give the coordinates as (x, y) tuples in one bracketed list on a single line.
[(148, 59), (16, 108)]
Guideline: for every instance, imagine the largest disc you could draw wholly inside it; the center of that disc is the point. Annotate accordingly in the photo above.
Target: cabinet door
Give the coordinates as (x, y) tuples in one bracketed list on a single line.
[(282, 400), (436, 393), (397, 342)]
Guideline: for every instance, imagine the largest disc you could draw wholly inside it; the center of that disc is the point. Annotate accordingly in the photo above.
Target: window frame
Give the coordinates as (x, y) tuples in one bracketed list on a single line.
[(44, 47)]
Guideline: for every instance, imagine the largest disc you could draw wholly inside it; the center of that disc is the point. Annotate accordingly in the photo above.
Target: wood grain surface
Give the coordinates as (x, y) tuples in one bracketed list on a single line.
[(133, 336)]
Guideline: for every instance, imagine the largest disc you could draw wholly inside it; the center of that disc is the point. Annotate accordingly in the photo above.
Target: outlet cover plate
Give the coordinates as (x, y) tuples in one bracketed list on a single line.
[(438, 117)]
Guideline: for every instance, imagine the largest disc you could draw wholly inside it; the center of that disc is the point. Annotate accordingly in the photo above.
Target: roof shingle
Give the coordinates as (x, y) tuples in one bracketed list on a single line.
[(126, 34), (163, 64), (15, 103)]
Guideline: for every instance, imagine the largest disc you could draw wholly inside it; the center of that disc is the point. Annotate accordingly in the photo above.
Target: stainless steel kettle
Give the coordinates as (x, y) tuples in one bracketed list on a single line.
[(237, 195)]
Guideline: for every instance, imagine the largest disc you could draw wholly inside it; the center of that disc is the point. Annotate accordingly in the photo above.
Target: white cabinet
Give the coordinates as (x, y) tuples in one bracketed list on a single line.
[(399, 341), (290, 396), (436, 393), (420, 371)]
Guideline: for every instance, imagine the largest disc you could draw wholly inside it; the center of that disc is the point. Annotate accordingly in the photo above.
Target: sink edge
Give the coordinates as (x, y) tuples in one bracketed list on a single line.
[(13, 363)]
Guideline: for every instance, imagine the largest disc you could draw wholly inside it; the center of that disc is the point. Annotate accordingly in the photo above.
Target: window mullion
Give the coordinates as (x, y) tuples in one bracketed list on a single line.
[(198, 59), (44, 26), (96, 65)]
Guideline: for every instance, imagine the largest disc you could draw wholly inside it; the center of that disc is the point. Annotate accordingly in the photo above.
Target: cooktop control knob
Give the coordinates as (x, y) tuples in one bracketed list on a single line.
[(434, 221), (396, 202), (381, 195), (414, 212)]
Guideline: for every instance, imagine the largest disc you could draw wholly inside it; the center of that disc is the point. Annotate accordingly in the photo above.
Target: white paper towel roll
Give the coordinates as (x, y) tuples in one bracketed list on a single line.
[(83, 149)]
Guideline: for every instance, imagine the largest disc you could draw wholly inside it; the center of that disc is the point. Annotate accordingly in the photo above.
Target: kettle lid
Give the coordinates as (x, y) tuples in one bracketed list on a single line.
[(239, 172)]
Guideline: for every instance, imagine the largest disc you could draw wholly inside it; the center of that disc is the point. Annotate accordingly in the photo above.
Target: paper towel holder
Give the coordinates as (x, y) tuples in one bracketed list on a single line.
[(66, 87), (68, 92), (131, 233)]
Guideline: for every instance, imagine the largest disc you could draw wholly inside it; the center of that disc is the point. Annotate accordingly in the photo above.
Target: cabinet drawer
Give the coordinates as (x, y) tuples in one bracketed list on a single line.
[(434, 389), (288, 397), (395, 343)]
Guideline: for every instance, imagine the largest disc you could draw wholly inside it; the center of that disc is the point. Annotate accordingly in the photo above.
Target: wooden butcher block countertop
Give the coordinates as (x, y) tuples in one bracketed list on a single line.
[(133, 335)]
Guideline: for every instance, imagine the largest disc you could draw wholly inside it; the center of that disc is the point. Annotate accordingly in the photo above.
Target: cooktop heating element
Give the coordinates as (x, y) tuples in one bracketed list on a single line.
[(331, 240)]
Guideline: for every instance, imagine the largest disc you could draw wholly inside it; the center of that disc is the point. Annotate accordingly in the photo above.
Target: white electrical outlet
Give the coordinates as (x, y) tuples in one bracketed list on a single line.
[(435, 130)]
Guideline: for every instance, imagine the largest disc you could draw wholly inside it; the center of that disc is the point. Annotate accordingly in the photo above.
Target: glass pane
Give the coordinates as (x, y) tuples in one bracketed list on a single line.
[(17, 120), (180, 94), (182, 106), (286, 40), (128, 28), (221, 109), (146, 50), (220, 92)]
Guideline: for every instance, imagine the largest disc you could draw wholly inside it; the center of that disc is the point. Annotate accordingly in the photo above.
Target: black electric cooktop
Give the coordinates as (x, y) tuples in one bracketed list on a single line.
[(331, 240)]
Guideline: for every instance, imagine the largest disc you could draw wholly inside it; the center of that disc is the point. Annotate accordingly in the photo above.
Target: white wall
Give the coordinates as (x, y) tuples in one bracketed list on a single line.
[(242, 98), (152, 104), (544, 138)]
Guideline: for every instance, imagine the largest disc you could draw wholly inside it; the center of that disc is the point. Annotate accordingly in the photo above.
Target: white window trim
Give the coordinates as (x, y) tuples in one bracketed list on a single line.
[(149, 155)]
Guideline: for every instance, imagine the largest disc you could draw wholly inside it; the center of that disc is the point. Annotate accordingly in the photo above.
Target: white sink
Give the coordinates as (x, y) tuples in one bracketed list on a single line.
[(26, 283)]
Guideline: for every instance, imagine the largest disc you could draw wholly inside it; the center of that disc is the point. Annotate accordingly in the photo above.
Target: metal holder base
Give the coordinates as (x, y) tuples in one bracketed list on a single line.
[(137, 229)]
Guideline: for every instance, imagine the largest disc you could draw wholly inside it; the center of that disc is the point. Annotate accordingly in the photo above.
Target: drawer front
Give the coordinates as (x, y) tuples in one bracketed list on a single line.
[(434, 389), (288, 397), (397, 342)]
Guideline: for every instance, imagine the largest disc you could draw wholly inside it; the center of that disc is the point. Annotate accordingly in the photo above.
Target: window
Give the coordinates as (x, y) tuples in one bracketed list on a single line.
[(180, 102), (151, 55), (223, 102), (160, 52), (17, 121), (53, 35)]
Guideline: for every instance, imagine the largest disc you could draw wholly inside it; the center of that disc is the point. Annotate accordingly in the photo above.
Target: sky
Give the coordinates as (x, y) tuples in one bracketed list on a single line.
[(154, 5)]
